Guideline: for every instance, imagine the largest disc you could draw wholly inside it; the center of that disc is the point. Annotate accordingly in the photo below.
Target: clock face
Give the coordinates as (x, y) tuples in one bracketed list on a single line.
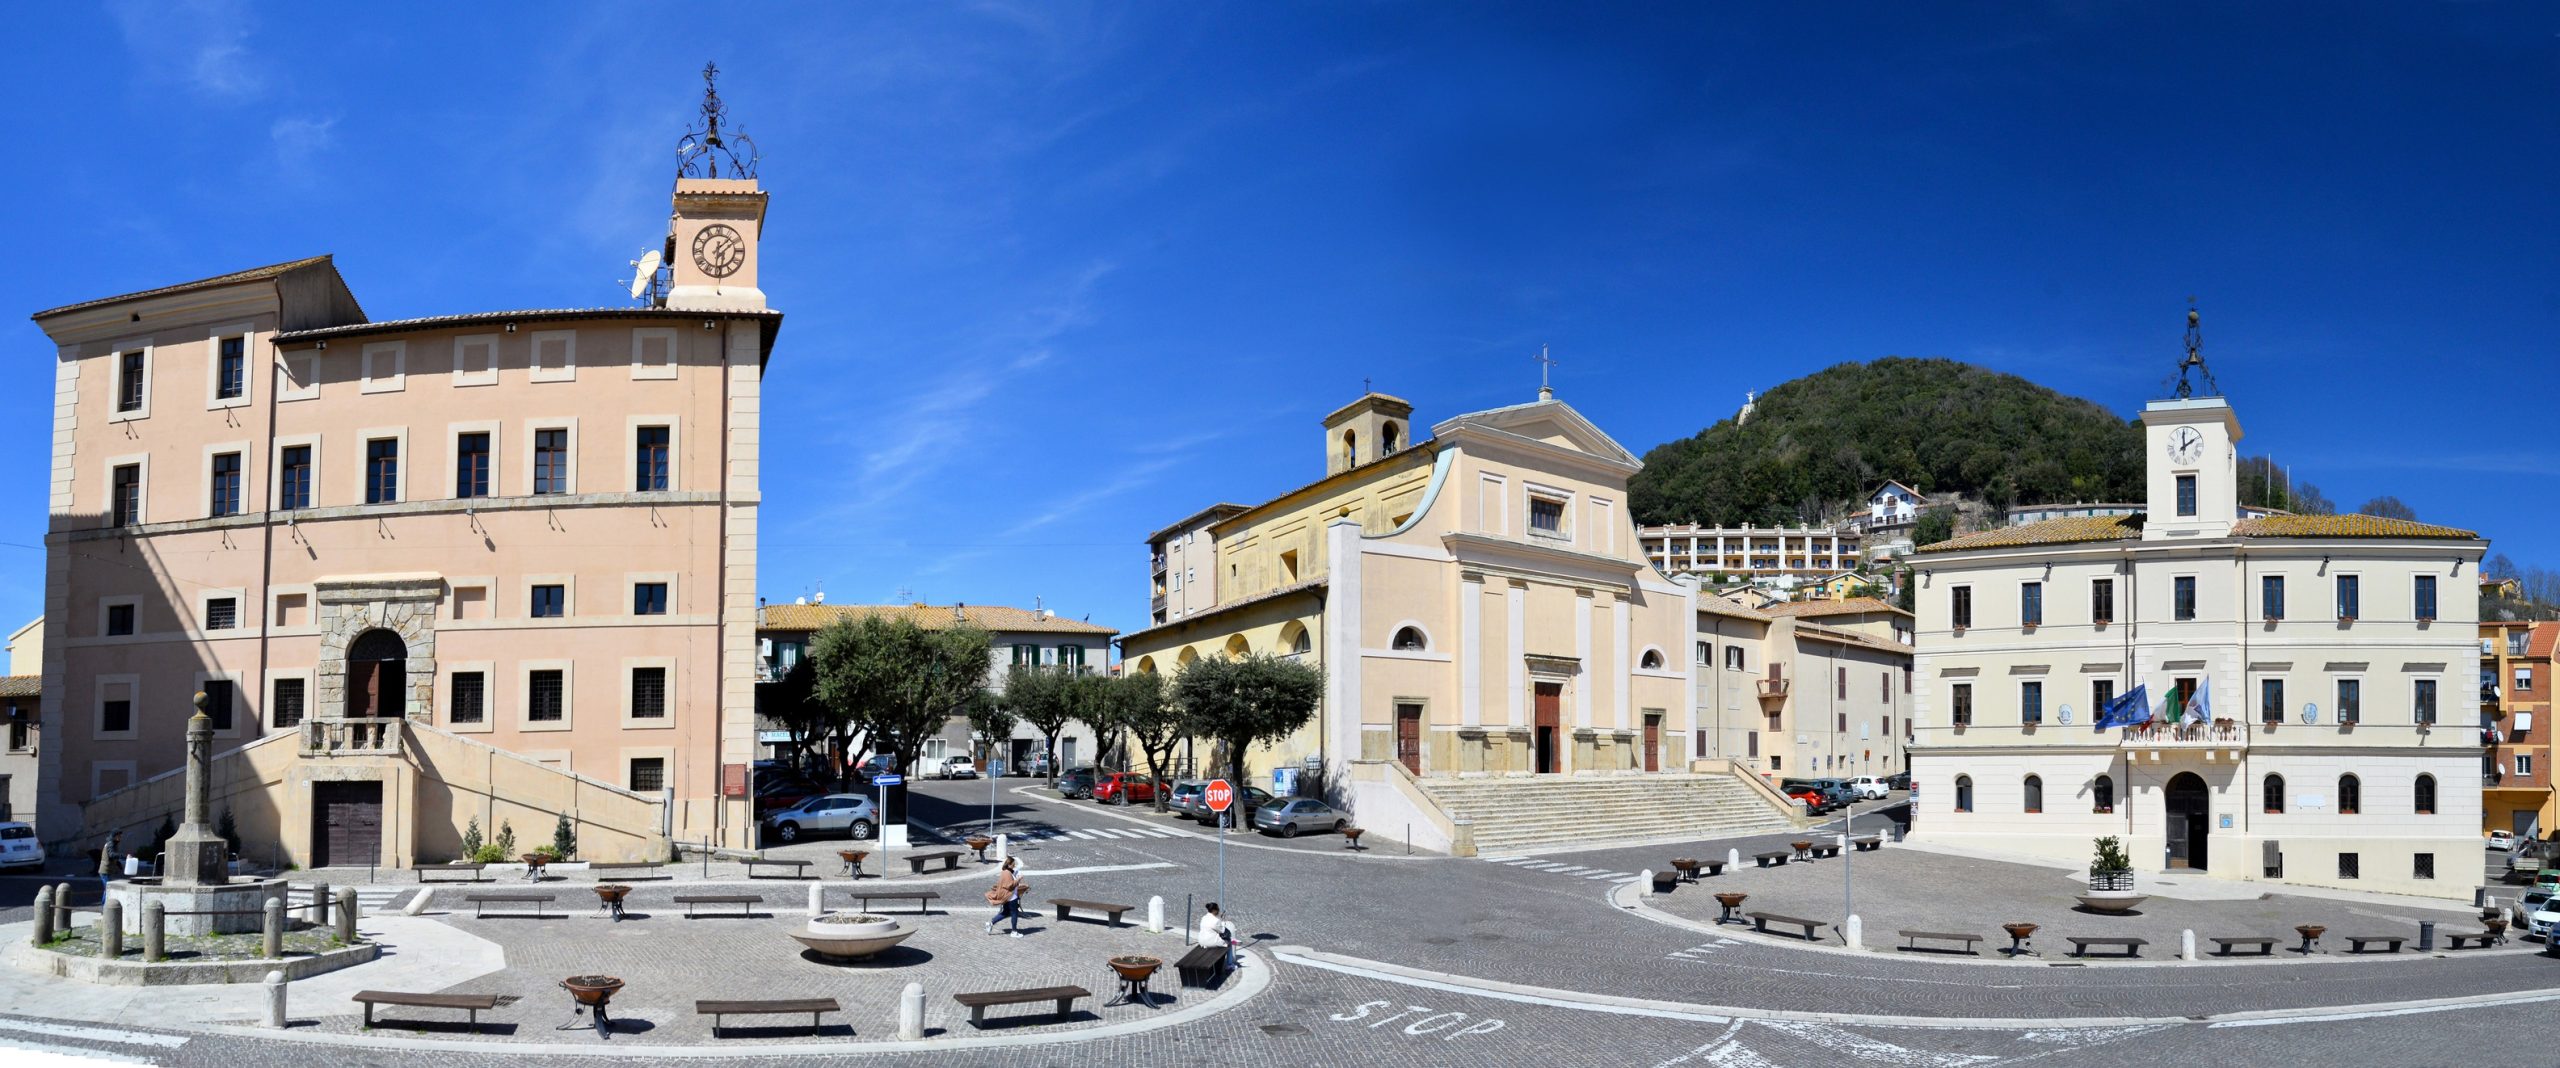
[(2185, 445), (718, 251)]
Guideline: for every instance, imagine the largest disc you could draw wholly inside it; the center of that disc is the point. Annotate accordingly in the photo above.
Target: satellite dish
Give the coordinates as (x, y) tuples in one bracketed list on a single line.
[(646, 272)]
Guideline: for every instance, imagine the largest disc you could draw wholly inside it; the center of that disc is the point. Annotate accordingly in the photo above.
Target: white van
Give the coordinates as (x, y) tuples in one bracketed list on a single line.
[(19, 847)]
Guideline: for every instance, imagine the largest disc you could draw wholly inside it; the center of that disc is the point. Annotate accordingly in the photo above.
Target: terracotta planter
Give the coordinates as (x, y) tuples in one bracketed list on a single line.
[(1731, 900), (592, 990), (1136, 968), (611, 894)]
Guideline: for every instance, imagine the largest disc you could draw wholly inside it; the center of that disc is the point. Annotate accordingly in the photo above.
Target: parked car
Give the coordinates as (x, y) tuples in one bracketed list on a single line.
[(1843, 794), (1184, 796), (1076, 784), (1037, 764), (2502, 841), (1817, 800), (959, 767), (1900, 780), (19, 847), (1195, 807), (1123, 787), (783, 789), (2534, 915), (1289, 816), (876, 765), (850, 814), (1870, 787)]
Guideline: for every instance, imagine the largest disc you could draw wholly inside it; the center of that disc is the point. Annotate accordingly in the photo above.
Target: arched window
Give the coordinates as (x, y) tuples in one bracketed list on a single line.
[(1408, 640), (2350, 795), (2426, 795), (1652, 660), (1146, 665), (2274, 792), (1350, 448), (2035, 793), (2103, 793), (1387, 442), (1295, 638), (1238, 648), (1964, 793)]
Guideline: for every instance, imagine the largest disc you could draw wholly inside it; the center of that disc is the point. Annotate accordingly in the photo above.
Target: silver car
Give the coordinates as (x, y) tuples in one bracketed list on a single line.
[(1289, 816), (850, 814)]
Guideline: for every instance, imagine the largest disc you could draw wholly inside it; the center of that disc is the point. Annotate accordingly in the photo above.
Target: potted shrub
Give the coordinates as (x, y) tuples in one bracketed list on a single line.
[(2110, 879)]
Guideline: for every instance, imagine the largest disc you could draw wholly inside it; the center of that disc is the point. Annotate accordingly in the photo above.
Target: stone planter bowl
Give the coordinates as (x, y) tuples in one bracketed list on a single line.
[(849, 947), (2112, 901), (850, 925)]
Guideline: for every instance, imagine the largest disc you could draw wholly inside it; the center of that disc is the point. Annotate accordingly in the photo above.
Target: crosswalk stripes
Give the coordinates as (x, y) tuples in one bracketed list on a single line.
[(1550, 867)]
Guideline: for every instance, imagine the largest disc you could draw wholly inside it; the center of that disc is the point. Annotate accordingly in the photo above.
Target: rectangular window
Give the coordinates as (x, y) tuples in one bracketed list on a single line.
[(2515, 642), (2182, 597), (1962, 697), (471, 464), (2031, 701), (2348, 866), (649, 465), (115, 716), (1751, 743), (231, 378), (648, 598), (286, 710), (469, 702), (2350, 700), (2423, 700), (2271, 701), (2524, 679), (2271, 597), (2348, 590), (119, 619), (2031, 604), (129, 381), (648, 774), (1072, 656), (221, 613), (1546, 516), (2426, 597), (649, 693), (22, 736), (226, 485), (1733, 658), (543, 696), (1706, 655), (551, 460), (382, 471), (1843, 726), (1841, 689), (550, 602), (1960, 607), (128, 495), (293, 478), (2524, 764), (217, 703), (2423, 866), (2186, 495), (2102, 600)]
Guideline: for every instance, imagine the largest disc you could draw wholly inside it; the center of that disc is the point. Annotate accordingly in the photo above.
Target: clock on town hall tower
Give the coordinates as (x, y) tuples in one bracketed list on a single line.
[(2191, 458)]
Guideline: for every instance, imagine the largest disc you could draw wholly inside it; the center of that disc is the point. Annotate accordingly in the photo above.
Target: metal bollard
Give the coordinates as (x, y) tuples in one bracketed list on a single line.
[(347, 915), (155, 931), (911, 1013), (273, 947), (44, 916), (62, 908), (275, 999), (111, 930)]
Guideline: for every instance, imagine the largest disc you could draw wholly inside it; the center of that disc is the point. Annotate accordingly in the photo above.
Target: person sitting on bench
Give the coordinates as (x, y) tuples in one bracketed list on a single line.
[(1214, 931)]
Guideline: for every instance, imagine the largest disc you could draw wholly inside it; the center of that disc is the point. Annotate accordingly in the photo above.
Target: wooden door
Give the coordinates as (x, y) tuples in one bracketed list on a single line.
[(1549, 709), (1653, 743), (346, 823), (1409, 737)]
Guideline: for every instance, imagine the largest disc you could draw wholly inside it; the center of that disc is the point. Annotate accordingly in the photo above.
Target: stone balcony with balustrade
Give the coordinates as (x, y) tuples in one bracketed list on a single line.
[(351, 737)]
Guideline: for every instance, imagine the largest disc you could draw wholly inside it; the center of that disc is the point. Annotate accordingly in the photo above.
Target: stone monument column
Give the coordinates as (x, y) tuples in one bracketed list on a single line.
[(197, 856)]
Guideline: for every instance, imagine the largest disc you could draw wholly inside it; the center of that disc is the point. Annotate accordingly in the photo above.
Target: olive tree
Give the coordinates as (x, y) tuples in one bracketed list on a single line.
[(1046, 698), (1139, 704), (1242, 700), (898, 682)]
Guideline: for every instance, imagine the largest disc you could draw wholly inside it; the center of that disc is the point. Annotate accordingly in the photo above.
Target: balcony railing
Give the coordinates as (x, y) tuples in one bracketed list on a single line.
[(2159, 732), (351, 737)]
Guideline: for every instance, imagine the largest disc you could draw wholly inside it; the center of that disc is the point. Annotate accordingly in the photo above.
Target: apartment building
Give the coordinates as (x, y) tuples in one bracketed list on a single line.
[(1801, 693), (1182, 563), (2517, 658), (1751, 553)]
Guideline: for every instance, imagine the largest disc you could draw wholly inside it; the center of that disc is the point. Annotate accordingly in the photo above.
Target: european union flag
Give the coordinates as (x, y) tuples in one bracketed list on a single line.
[(2131, 708)]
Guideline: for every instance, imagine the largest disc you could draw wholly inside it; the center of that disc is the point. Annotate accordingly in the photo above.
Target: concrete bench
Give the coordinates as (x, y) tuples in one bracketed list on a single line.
[(922, 898), (1826, 852), (1202, 966), (746, 902), (627, 869), (1911, 937), (480, 902), (799, 868), (470, 1003), (719, 1010), (1775, 856), (1760, 922), (979, 1002), (1868, 843), (2080, 945), (1066, 906), (950, 861), (1665, 882), (2485, 938), (2356, 943), (470, 872), (2222, 946)]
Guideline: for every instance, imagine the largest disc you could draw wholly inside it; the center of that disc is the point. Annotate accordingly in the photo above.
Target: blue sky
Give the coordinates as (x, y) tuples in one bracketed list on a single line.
[(1057, 275)]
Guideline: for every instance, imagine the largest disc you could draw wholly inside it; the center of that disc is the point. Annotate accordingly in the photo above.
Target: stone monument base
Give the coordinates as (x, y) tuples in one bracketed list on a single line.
[(231, 908)]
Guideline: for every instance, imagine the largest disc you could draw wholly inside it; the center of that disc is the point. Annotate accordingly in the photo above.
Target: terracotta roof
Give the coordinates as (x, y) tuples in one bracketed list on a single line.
[(1849, 606), (1846, 637), (2343, 526), (2543, 637), (254, 274), (1267, 595), (2049, 532), (1221, 510), (1719, 604), (430, 322), (21, 685), (929, 616)]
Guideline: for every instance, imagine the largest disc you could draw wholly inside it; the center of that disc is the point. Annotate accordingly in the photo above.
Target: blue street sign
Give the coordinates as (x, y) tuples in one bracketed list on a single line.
[(888, 780)]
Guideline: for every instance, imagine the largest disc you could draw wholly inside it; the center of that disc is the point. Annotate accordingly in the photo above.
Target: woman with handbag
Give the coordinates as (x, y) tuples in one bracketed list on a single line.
[(1006, 896)]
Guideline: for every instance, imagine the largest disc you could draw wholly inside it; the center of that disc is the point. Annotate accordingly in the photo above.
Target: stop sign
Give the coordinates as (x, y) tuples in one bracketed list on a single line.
[(1219, 795)]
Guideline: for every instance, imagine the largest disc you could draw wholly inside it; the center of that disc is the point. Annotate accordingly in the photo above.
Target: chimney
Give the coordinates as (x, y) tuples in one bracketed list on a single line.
[(960, 611)]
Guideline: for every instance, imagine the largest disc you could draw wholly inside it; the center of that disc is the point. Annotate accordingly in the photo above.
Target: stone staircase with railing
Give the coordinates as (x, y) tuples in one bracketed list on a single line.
[(1517, 813)]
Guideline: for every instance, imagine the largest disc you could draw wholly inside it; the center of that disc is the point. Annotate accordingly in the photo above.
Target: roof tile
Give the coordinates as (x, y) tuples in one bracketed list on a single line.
[(253, 274), (2049, 532), (2343, 526)]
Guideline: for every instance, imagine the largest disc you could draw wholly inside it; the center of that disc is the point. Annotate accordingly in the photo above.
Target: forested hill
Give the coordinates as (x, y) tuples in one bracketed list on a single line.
[(1821, 443)]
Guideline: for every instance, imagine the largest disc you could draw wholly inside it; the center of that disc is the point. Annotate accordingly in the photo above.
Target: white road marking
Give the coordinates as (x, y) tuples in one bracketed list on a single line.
[(38, 1055), (1080, 835), (1098, 867), (1612, 875), (1863, 1049), (1504, 860), (94, 1034)]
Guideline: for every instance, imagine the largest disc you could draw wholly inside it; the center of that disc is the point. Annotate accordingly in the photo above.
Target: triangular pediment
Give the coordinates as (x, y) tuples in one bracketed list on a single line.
[(1550, 422)]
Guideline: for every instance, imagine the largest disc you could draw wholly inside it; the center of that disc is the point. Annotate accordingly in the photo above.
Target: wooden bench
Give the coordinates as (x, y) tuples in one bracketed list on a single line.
[(746, 902), (1665, 882), (1711, 867), (1826, 852), (1067, 905), (1202, 966), (799, 868), (479, 902), (922, 898), (950, 861), (1909, 937), (470, 1003), (1868, 843), (2222, 946), (1775, 856), (718, 1010), (1760, 922), (470, 872), (2355, 943), (980, 1002), (2080, 945), (2485, 938), (627, 869)]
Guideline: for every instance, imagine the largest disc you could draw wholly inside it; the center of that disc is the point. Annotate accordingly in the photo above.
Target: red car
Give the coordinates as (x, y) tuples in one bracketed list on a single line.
[(1122, 787)]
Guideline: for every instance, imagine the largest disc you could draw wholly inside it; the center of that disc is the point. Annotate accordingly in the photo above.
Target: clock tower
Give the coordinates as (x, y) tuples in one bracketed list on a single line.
[(2191, 455), (712, 234)]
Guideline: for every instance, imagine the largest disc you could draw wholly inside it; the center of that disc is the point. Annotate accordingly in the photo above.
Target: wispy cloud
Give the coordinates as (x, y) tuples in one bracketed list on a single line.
[(297, 141), (203, 44)]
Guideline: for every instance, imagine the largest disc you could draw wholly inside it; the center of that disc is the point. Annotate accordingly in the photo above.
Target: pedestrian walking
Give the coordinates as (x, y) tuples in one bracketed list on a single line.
[(1006, 896)]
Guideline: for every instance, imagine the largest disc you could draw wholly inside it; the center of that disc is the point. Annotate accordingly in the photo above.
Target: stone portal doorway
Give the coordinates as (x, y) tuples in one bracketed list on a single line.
[(346, 823), (1550, 712), (376, 664), (2190, 814)]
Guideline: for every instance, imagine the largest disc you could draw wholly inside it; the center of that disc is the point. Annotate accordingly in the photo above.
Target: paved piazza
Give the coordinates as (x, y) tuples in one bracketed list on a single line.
[(1369, 959)]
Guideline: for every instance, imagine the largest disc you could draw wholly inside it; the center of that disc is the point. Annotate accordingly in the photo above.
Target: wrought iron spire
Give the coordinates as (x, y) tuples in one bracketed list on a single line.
[(699, 154), (2195, 358)]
